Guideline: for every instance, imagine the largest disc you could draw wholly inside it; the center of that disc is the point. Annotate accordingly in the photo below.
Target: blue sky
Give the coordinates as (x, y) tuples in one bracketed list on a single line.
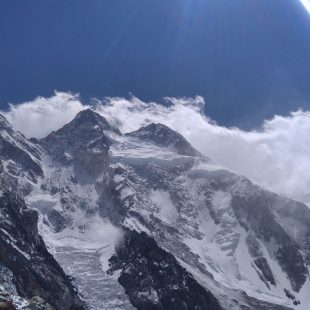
[(248, 59)]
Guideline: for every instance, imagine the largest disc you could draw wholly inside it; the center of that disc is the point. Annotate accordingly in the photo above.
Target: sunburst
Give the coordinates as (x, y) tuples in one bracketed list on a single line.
[(306, 4)]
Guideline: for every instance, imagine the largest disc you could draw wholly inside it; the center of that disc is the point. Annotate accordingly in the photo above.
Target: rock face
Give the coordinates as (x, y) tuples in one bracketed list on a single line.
[(254, 212), (81, 142), (34, 271), (153, 279), (196, 236), (260, 261), (20, 165), (163, 136)]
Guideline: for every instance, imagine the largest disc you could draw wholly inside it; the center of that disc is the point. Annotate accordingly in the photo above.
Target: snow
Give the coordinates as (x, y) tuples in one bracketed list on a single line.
[(166, 209), (118, 178), (221, 200), (248, 275), (43, 202), (68, 156), (150, 295), (304, 296), (91, 233), (129, 147), (222, 249), (19, 302), (13, 242), (126, 192), (254, 287), (19, 141), (294, 228), (134, 224), (84, 247), (83, 251)]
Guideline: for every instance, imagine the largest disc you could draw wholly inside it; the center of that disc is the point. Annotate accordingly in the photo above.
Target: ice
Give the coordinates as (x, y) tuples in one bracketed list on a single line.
[(99, 290), (84, 254)]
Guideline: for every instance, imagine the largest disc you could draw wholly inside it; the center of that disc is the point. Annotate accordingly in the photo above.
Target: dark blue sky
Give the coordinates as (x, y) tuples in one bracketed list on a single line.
[(250, 59)]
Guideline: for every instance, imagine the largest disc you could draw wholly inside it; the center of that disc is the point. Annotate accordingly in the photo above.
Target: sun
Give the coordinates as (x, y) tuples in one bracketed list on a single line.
[(306, 4)]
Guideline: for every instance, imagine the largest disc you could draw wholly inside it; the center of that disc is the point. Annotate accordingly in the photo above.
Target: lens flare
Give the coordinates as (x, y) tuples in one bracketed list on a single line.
[(306, 4)]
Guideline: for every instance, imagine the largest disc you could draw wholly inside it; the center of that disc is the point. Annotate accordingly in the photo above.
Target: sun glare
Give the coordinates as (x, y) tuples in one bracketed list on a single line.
[(306, 4)]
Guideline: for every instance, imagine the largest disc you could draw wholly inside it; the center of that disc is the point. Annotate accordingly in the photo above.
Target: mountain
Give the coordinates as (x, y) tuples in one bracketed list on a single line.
[(19, 160), (29, 274), (26, 266), (144, 221), (163, 136)]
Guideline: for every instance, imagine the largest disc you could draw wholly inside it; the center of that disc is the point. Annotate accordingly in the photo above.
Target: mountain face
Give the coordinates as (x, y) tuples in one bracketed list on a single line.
[(163, 136), (29, 274), (153, 279), (72, 143), (20, 164), (23, 255), (143, 221)]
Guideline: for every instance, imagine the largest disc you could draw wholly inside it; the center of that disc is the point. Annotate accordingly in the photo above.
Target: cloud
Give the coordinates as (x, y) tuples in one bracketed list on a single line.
[(276, 155), (39, 117)]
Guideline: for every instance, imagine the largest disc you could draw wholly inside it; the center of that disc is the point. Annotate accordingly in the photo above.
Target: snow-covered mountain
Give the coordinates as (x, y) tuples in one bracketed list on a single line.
[(144, 221), (29, 275)]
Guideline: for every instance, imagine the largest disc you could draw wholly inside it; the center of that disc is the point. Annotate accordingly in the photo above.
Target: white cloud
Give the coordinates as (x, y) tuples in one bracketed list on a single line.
[(39, 117), (276, 156)]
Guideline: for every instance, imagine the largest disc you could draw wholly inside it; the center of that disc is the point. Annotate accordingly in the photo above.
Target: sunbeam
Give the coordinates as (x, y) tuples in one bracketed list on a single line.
[(306, 4)]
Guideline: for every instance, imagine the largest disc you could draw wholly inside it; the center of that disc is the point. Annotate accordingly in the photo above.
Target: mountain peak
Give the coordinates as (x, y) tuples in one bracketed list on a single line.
[(2, 117), (86, 125), (92, 118), (4, 124), (88, 114), (18, 158), (163, 136), (157, 128), (84, 141)]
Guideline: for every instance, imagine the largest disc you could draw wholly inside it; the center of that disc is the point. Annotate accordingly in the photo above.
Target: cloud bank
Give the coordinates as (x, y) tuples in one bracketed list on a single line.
[(276, 155), (41, 116)]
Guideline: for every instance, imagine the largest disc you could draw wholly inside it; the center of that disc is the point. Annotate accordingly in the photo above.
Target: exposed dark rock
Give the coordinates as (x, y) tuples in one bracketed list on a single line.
[(291, 296), (163, 136), (81, 141), (153, 279), (19, 160), (254, 212), (1, 166), (12, 152), (7, 305), (57, 220), (23, 252), (260, 261)]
